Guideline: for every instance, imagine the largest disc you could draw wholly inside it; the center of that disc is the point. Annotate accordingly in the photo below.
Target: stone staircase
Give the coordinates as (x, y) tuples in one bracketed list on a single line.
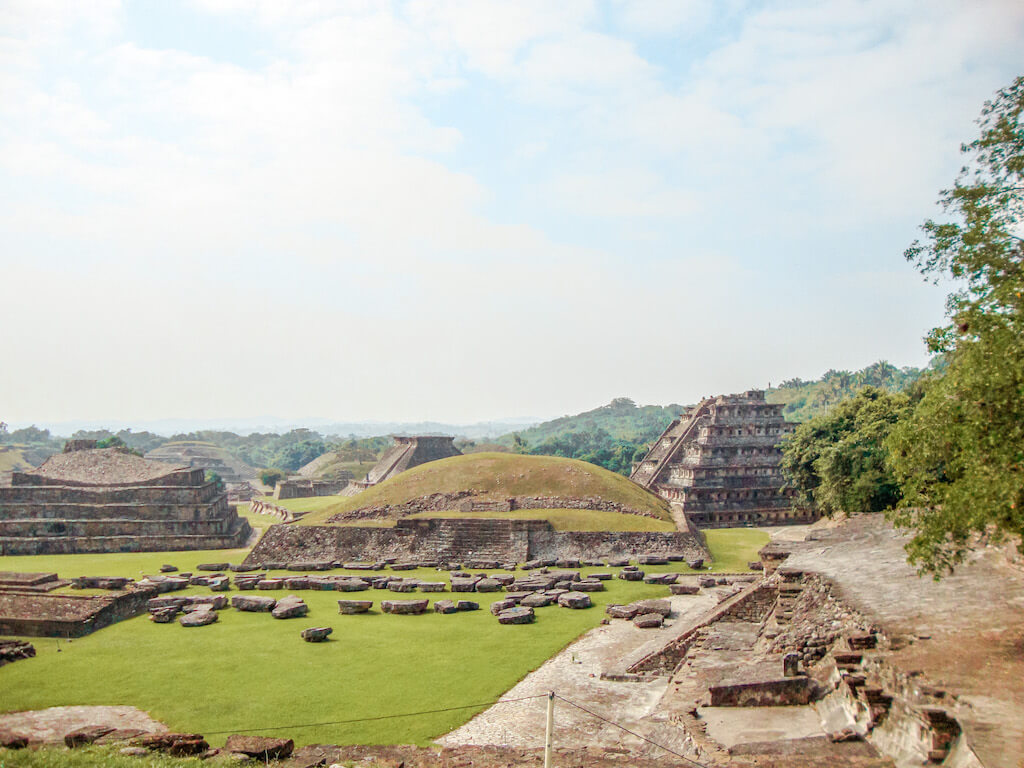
[(461, 539)]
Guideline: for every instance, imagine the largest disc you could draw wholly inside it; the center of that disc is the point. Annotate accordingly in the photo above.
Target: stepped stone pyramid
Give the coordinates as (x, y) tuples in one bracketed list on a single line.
[(406, 453), (105, 500), (720, 463)]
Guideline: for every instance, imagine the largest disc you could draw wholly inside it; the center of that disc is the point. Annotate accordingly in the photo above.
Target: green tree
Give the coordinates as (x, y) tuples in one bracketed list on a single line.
[(271, 475), (837, 461), (960, 456)]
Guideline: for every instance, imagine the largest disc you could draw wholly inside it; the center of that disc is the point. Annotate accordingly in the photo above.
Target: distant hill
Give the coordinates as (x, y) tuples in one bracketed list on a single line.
[(805, 399), (615, 435)]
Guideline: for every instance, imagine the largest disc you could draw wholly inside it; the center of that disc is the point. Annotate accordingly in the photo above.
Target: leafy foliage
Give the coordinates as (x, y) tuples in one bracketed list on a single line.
[(806, 399), (837, 461), (960, 456), (271, 475)]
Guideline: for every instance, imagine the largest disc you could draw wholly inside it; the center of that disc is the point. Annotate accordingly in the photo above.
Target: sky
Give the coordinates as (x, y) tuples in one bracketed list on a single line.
[(469, 210)]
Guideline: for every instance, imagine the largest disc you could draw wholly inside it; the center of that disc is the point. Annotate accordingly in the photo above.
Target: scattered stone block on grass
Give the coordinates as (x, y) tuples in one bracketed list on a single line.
[(600, 576), (489, 585), (464, 585), (351, 585), (631, 575), (696, 563), (259, 747), (405, 585), (444, 606), (618, 562), (168, 568), (404, 607), (648, 620), (291, 607), (503, 605), (269, 584), (433, 586), (518, 615), (467, 605), (15, 650), (588, 585), (254, 603), (316, 634), (404, 567), (199, 617), (575, 600), (213, 566), (652, 560), (163, 615), (661, 578), (537, 600), (350, 607)]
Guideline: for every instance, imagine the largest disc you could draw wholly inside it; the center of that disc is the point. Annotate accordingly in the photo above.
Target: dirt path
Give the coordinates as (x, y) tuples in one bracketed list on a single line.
[(575, 674)]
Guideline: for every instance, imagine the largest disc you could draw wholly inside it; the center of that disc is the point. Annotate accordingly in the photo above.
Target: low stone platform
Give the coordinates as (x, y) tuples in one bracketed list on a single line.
[(11, 581), (49, 615)]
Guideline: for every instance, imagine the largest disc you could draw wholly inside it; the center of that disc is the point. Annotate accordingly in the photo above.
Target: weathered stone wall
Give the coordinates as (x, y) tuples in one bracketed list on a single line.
[(470, 500), (297, 488), (135, 495), (458, 539)]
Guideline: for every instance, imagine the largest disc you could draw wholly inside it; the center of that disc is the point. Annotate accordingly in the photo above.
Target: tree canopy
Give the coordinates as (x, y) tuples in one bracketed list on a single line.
[(959, 457)]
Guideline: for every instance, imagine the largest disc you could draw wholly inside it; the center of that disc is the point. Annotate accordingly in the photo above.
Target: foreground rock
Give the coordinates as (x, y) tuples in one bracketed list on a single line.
[(404, 607), (518, 615), (291, 607), (198, 618), (254, 603), (259, 747), (350, 607), (316, 634), (574, 600), (649, 620), (176, 744)]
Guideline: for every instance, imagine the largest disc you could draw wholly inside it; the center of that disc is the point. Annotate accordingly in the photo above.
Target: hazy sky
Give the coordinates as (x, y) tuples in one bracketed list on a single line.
[(468, 210)]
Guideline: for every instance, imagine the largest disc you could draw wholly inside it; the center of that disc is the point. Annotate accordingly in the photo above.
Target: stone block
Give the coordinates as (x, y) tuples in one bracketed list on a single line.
[(168, 568), (404, 607), (663, 607), (87, 735), (269, 584), (254, 603), (489, 585), (537, 600), (621, 611), (349, 607), (574, 600), (652, 560), (444, 606), (259, 747), (213, 566), (351, 585), (633, 575), (648, 620), (684, 589), (464, 585), (198, 618), (502, 605), (600, 576), (316, 634), (467, 605), (518, 615), (433, 586), (406, 585), (588, 585), (290, 607)]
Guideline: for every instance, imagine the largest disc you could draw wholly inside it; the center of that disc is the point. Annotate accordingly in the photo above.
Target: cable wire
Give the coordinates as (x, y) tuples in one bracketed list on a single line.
[(379, 717), (633, 733)]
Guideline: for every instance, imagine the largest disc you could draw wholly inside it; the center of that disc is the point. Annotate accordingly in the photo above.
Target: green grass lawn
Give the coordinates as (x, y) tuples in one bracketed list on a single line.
[(304, 503), (499, 475), (252, 671)]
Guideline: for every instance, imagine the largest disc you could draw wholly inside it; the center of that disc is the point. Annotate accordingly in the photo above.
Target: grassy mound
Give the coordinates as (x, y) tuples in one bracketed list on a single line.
[(12, 459), (498, 476)]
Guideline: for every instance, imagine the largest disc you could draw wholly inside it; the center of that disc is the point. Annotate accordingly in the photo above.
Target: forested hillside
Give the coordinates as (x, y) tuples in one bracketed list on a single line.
[(805, 399)]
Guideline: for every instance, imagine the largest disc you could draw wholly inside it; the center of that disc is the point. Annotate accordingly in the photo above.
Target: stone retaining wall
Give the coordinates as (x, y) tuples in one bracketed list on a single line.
[(459, 539)]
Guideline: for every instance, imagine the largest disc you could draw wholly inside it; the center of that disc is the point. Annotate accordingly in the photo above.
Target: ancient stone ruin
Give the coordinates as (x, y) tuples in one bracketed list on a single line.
[(720, 463), (304, 487), (108, 500), (406, 453)]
